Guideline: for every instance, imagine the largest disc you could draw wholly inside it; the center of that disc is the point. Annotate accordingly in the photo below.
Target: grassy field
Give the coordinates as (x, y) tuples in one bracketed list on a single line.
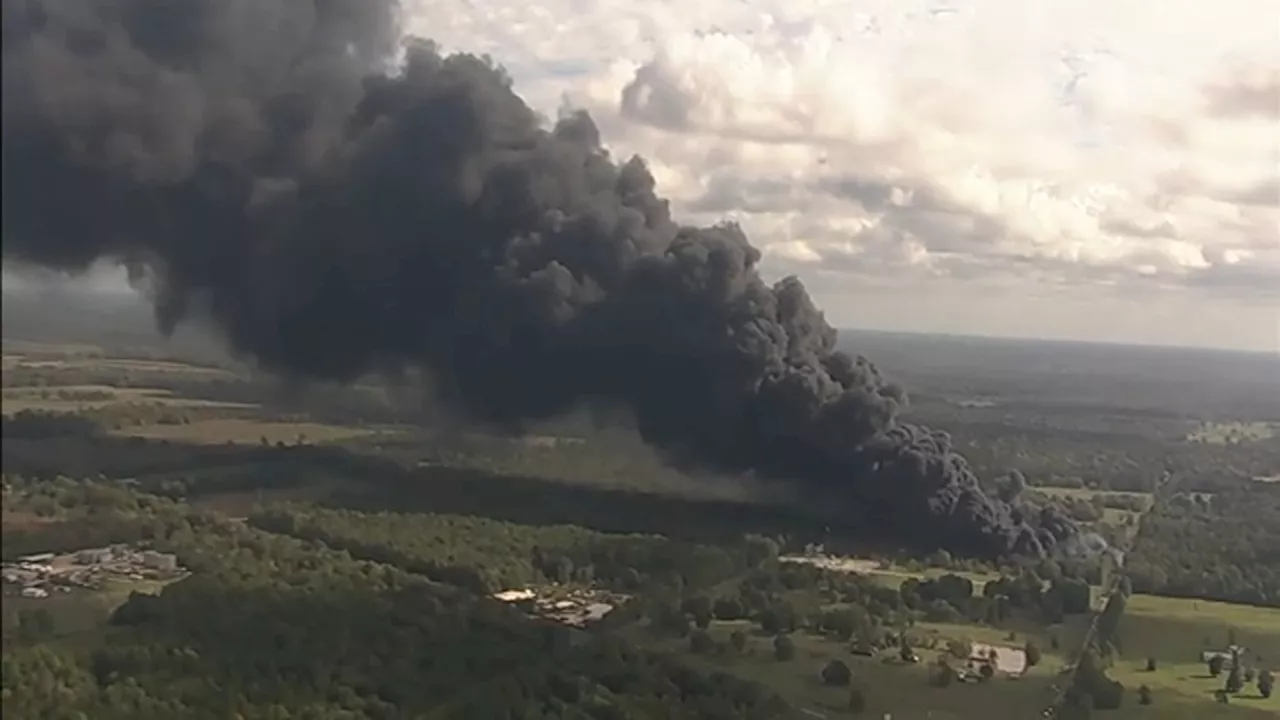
[(241, 504), (1171, 630), (80, 398), (1174, 631), (1232, 432), (1184, 691), (18, 350), (245, 431), (900, 689), (80, 611), (894, 575), (1086, 493), (1178, 629)]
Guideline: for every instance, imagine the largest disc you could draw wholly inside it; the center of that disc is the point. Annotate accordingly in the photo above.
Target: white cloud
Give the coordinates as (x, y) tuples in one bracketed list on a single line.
[(1079, 143)]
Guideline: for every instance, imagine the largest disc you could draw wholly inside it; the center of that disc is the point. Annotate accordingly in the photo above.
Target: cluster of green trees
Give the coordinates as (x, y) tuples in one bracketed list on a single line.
[(274, 627), (1225, 547), (782, 597), (485, 555), (1052, 446), (37, 425)]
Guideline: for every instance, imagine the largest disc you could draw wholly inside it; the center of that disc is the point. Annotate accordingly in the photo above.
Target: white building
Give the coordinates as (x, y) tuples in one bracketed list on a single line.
[(37, 558), (94, 556), (160, 561)]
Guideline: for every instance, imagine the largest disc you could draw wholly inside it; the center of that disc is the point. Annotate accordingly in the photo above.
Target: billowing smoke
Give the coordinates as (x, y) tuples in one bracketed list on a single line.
[(257, 161)]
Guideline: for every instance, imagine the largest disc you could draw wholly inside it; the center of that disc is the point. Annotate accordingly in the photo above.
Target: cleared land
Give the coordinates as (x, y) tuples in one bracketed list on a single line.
[(80, 398), (891, 576), (241, 431), (1232, 432), (79, 611), (1174, 632), (889, 687)]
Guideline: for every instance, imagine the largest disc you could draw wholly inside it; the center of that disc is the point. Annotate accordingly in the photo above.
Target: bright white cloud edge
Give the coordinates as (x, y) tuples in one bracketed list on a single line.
[(1090, 169)]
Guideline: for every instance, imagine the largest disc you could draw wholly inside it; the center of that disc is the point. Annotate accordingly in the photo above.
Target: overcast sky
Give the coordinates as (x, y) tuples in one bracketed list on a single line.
[(1096, 169), (1089, 169)]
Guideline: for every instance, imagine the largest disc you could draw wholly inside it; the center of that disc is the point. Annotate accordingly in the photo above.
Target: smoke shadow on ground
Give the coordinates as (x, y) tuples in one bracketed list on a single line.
[(370, 483)]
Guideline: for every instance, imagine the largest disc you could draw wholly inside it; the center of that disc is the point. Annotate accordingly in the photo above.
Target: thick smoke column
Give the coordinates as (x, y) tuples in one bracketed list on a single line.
[(336, 219)]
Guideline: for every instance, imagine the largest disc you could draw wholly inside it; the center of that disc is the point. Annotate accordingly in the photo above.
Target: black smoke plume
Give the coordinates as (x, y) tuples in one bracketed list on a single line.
[(335, 217)]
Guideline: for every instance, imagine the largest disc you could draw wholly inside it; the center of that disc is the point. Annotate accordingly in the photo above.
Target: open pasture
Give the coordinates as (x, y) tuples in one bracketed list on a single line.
[(1229, 433), (245, 431), (889, 686), (82, 398)]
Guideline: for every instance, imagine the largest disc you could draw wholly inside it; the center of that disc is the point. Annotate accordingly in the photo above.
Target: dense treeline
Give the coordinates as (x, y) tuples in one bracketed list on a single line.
[(1224, 546), (487, 555), (36, 425), (1109, 462), (275, 627), (373, 481), (68, 515)]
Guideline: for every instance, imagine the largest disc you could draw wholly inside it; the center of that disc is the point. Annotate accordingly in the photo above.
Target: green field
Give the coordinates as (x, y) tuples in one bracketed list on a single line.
[(1178, 629), (244, 431), (80, 611), (1227, 433), (893, 577), (900, 689), (1174, 631), (81, 398), (1086, 493)]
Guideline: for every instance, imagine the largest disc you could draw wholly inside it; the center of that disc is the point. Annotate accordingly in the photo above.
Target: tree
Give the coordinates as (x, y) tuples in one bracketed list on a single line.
[(696, 605), (784, 648), (960, 648), (702, 620), (837, 673), (987, 671), (564, 570), (668, 620), (1144, 695), (1012, 487), (841, 622), (35, 625), (1108, 695), (1216, 663), (1235, 683), (857, 701), (760, 550), (944, 675), (1151, 664), (739, 640), (1079, 707), (728, 609), (1075, 596), (701, 643), (1266, 683)]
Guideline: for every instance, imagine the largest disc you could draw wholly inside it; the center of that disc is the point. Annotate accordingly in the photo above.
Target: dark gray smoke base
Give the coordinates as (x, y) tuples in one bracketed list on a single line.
[(335, 219)]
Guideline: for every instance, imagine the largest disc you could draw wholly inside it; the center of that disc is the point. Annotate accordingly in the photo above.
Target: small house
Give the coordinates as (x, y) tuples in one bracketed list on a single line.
[(514, 595), (37, 558), (1227, 655), (94, 556), (166, 562)]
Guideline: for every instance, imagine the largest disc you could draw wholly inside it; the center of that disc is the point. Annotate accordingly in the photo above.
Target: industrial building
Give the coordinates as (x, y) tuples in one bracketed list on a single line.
[(94, 556), (165, 562)]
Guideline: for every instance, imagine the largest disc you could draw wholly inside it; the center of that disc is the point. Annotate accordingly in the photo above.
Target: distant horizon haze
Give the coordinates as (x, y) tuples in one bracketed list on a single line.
[(111, 280)]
